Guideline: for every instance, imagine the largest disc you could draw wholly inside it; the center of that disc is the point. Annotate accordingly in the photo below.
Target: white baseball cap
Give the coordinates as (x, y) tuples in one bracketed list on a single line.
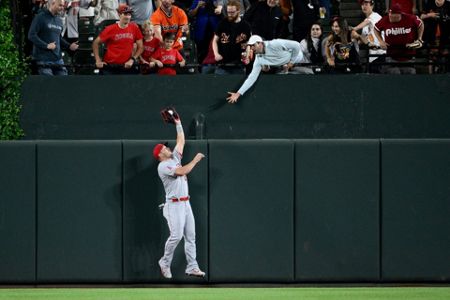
[(254, 39)]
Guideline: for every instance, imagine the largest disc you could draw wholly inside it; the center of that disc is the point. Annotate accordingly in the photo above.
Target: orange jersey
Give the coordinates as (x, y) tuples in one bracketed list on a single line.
[(172, 23)]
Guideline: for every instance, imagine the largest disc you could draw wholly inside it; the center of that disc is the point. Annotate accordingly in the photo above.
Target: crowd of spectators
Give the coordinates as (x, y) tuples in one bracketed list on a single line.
[(148, 36)]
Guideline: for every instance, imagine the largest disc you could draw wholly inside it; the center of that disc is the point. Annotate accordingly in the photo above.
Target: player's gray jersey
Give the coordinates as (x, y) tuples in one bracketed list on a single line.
[(175, 186)]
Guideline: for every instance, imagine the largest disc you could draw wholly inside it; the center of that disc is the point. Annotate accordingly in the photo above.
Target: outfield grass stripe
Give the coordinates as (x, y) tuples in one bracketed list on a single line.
[(376, 293)]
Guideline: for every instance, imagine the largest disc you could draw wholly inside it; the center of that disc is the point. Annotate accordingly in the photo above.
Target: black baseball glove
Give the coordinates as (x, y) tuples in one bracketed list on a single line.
[(169, 115)]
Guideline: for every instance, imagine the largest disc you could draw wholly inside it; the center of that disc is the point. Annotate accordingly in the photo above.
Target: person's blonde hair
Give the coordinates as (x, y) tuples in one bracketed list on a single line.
[(147, 24)]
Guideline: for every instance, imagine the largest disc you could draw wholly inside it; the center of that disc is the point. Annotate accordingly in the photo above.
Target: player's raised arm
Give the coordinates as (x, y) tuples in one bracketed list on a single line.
[(180, 135)]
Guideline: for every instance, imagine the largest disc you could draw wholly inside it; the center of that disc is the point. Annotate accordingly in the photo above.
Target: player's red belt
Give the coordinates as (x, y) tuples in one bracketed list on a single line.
[(180, 199)]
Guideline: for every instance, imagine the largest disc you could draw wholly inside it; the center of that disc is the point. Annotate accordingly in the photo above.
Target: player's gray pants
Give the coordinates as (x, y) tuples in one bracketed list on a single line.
[(181, 223)]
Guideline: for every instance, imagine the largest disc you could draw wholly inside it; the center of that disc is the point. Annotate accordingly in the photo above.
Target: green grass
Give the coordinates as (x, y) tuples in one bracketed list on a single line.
[(298, 293)]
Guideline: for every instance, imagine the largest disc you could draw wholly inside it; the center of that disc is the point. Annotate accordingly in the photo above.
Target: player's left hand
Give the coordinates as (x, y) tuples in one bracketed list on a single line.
[(233, 97)]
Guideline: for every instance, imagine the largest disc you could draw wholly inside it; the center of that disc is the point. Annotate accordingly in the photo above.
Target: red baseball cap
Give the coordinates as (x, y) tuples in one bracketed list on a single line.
[(395, 9), (124, 9), (157, 149)]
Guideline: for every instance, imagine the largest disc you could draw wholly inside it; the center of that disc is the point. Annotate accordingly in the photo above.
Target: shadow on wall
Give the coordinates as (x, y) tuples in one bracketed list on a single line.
[(144, 225)]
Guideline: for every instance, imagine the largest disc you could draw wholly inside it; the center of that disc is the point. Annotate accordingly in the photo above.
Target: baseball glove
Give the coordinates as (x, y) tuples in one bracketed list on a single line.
[(415, 45), (169, 115)]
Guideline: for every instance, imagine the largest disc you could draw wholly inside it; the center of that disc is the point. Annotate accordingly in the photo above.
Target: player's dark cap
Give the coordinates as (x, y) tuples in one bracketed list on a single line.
[(366, 1), (157, 149), (124, 9), (395, 9)]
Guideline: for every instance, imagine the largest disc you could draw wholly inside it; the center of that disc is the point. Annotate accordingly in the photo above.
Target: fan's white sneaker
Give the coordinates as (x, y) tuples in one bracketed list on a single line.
[(165, 271), (196, 273)]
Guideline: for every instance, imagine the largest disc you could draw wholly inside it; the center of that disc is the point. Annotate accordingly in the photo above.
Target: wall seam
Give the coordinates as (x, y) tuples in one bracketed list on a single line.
[(208, 205), (380, 211), (36, 212), (122, 208), (294, 208)]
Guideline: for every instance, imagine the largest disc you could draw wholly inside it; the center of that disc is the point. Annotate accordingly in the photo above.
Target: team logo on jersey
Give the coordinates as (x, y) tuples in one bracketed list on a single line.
[(224, 38), (53, 26), (398, 31), (167, 57), (149, 49), (126, 35), (173, 27)]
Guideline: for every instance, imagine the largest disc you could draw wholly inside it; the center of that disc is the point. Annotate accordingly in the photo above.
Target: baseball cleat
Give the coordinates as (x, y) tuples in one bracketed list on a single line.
[(165, 272), (196, 273)]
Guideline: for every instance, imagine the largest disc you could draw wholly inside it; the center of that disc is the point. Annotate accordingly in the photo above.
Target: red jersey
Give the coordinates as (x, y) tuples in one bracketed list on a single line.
[(150, 47), (119, 42), (167, 57), (171, 23), (399, 34)]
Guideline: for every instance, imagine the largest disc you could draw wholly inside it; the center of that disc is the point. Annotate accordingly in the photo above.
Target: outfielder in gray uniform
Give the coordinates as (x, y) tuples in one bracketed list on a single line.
[(177, 209)]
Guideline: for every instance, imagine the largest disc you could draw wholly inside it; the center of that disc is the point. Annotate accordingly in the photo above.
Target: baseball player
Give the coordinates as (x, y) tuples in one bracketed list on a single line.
[(177, 209)]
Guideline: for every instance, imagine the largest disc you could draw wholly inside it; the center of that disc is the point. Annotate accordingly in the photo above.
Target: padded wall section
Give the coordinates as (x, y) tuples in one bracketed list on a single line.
[(17, 212), (337, 210), (295, 106), (251, 211), (80, 211), (145, 228), (416, 210)]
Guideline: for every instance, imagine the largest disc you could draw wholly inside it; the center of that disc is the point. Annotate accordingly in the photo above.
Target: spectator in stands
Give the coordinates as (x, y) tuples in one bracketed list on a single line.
[(306, 12), (277, 52), (325, 9), (45, 34), (436, 18), (402, 34), (207, 14), (119, 39), (166, 57), (142, 9), (313, 51), (342, 48), (170, 18), (229, 41), (209, 62), (151, 44), (264, 18), (71, 19), (286, 11), (245, 5), (367, 27), (106, 10), (37, 6)]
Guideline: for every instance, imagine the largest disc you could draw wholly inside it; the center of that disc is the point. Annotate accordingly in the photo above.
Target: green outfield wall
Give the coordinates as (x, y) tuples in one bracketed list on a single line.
[(272, 210), (293, 106)]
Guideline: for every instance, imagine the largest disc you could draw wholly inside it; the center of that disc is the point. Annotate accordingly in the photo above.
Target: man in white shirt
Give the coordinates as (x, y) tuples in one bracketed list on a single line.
[(367, 27), (276, 52)]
